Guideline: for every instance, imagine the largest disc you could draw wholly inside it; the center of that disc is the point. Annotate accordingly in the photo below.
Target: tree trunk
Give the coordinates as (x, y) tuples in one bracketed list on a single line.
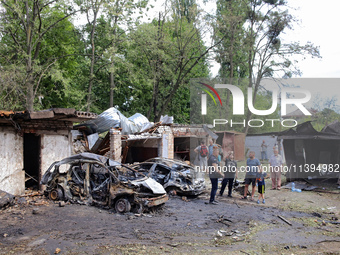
[(157, 74), (91, 77), (29, 72), (112, 86)]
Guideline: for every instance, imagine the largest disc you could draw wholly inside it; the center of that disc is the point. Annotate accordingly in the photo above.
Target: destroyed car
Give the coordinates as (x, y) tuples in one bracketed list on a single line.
[(89, 178), (177, 177)]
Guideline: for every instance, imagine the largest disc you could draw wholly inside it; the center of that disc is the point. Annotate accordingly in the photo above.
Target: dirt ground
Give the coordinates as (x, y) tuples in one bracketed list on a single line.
[(181, 226)]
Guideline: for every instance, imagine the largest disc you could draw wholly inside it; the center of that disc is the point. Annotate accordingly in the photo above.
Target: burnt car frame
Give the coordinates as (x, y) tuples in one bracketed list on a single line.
[(89, 178), (177, 177)]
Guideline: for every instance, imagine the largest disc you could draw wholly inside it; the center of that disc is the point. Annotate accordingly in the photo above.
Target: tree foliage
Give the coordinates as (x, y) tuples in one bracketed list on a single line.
[(259, 26), (114, 59), (26, 25)]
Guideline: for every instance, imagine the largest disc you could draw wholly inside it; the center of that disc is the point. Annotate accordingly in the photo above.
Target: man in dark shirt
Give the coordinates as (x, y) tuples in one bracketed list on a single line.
[(214, 174), (253, 164), (230, 170)]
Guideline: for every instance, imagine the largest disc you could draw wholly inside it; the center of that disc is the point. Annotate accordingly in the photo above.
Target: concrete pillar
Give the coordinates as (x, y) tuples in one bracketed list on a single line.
[(115, 145), (166, 146)]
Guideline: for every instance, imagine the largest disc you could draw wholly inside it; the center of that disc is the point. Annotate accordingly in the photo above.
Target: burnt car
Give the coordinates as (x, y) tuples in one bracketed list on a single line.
[(177, 177), (89, 178)]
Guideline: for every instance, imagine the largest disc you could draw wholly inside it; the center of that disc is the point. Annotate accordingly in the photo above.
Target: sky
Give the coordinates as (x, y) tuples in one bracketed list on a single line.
[(319, 23)]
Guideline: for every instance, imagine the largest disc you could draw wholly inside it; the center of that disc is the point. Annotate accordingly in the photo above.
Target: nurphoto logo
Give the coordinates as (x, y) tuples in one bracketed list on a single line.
[(240, 97)]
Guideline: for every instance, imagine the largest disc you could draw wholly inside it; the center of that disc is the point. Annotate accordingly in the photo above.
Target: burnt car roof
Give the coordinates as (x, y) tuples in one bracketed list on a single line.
[(169, 162), (90, 156), (181, 177), (81, 157)]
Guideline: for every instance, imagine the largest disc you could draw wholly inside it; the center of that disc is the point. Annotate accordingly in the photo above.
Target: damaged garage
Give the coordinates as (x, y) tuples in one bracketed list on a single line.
[(31, 141), (135, 139), (127, 140), (306, 147)]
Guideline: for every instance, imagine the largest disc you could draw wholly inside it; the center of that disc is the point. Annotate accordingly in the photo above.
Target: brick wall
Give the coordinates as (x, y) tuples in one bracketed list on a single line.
[(52, 125)]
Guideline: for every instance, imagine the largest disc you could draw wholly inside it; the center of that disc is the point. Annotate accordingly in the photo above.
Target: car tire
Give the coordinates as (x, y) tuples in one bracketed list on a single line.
[(122, 205), (56, 194)]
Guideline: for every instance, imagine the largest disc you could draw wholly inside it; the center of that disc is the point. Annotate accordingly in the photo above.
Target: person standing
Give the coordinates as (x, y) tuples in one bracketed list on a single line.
[(212, 144), (214, 174), (264, 151), (203, 154), (253, 164), (211, 147), (275, 167), (261, 186), (230, 172)]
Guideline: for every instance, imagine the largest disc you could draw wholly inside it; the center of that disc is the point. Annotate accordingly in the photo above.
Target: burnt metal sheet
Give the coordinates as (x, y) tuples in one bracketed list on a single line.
[(239, 146), (150, 202), (211, 133), (232, 141)]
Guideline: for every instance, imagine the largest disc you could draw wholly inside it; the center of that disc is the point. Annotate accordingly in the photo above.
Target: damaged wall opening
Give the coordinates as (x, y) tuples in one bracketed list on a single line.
[(182, 148), (140, 154), (32, 151)]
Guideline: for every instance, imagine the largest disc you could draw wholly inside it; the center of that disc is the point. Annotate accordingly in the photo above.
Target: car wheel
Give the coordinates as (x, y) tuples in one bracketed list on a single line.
[(56, 194), (171, 191), (122, 205)]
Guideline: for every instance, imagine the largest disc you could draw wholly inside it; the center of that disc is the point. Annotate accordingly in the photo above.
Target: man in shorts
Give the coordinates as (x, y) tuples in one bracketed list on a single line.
[(253, 165)]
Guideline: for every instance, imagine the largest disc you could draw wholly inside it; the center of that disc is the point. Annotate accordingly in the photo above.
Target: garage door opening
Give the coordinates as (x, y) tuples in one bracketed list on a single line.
[(32, 144), (182, 148)]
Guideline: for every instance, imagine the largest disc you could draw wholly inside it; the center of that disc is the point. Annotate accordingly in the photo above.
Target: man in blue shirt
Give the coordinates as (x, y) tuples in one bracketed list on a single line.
[(211, 147), (253, 164)]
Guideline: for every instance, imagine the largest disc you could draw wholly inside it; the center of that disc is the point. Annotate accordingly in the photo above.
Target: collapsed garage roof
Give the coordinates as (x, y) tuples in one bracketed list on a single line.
[(113, 118), (307, 131)]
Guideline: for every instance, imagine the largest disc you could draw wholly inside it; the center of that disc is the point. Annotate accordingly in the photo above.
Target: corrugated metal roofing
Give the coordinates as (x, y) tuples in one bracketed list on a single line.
[(9, 113), (69, 114)]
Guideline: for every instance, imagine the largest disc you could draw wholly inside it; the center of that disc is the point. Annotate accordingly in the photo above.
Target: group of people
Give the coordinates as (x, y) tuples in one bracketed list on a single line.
[(212, 156)]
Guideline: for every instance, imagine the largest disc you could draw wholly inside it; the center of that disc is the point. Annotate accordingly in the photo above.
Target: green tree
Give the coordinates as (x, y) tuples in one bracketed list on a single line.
[(120, 14), (174, 53), (267, 54), (105, 46), (230, 21), (229, 27), (25, 26)]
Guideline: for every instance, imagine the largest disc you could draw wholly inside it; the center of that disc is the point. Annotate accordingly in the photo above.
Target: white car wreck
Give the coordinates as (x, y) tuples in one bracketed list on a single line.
[(89, 178)]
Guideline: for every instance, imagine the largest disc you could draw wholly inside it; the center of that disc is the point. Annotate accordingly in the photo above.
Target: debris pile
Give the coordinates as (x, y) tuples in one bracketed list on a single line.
[(6, 199), (90, 136)]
